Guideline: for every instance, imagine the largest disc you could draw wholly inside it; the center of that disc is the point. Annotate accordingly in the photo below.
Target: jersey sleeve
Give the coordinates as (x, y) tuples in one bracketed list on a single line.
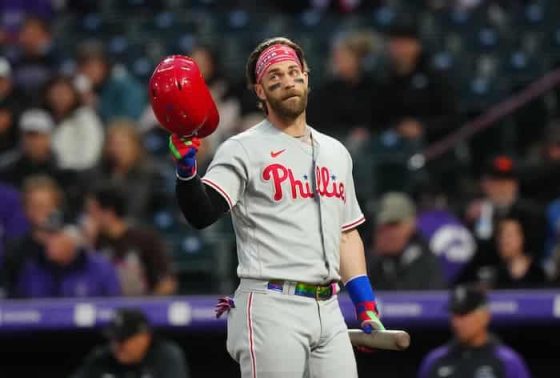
[(353, 215), (228, 173), (514, 365)]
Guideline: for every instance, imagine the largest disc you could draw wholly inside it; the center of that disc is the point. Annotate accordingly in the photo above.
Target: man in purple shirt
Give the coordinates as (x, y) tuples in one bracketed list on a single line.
[(66, 269), (473, 352)]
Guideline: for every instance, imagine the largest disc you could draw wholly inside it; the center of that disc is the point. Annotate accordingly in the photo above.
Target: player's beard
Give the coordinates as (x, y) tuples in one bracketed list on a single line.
[(288, 107)]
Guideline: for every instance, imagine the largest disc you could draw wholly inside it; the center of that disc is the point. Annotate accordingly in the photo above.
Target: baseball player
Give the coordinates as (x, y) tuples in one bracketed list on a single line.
[(291, 194)]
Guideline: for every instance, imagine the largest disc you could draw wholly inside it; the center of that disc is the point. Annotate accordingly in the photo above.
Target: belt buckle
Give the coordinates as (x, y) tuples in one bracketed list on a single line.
[(317, 292)]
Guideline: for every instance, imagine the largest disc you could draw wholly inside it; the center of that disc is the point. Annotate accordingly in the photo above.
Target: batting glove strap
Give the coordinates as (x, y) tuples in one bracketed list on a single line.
[(367, 314), (184, 152)]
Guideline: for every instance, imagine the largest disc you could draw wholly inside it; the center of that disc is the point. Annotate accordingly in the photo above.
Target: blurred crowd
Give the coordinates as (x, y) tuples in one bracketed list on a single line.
[(87, 187)]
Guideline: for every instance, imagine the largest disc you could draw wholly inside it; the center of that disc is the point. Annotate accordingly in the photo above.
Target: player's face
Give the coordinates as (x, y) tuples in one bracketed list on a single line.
[(284, 87), (470, 327), (132, 350)]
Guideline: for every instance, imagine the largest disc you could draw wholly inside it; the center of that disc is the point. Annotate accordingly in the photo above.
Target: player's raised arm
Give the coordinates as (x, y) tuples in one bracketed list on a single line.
[(183, 106)]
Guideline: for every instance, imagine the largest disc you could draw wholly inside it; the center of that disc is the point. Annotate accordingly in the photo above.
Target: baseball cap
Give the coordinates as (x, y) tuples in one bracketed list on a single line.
[(501, 166), (36, 120), (126, 323), (466, 298), (5, 68), (395, 207)]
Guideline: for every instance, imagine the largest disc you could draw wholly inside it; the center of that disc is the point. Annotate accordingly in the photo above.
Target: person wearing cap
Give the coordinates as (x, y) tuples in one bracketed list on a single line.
[(501, 198), (35, 155), (413, 100), (400, 258), (473, 351), (65, 268), (134, 351)]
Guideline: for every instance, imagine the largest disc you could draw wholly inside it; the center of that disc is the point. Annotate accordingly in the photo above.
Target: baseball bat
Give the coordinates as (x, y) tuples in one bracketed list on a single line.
[(382, 339)]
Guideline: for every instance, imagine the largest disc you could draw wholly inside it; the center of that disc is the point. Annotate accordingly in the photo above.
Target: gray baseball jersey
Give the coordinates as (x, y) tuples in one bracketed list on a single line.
[(286, 227)]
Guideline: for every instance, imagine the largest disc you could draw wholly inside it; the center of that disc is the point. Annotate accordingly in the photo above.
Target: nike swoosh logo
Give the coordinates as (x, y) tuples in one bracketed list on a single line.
[(275, 154)]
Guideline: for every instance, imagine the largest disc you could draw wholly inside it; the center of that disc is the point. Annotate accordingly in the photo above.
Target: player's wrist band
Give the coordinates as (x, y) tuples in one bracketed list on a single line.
[(360, 290)]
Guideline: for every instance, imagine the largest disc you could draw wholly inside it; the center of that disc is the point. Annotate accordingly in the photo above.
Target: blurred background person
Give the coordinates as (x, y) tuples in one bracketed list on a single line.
[(501, 198), (473, 351), (208, 62), (65, 268), (12, 103), (138, 254), (126, 165), (42, 199), (343, 102), (400, 258), (540, 178), (35, 60), (517, 269), (412, 100), (134, 351), (35, 155), (77, 139), (13, 224), (108, 88), (449, 239)]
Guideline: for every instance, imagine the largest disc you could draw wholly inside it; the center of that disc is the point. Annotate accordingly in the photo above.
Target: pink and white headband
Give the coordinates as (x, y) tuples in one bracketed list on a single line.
[(274, 54)]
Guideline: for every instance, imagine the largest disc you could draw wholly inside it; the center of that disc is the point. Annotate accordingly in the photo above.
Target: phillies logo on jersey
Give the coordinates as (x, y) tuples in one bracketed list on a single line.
[(282, 177)]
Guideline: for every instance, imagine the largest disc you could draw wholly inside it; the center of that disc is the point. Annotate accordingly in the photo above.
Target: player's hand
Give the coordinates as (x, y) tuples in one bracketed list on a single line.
[(184, 152), (369, 315)]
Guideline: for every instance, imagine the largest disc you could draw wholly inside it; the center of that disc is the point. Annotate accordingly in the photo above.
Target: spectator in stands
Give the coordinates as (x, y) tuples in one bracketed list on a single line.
[(35, 155), (126, 165), (35, 61), (75, 124), (500, 199), (138, 254), (228, 106), (541, 179), (66, 268), (42, 200), (400, 258), (473, 351), (134, 351), (12, 103), (413, 100), (518, 269), (343, 102), (111, 90), (13, 224)]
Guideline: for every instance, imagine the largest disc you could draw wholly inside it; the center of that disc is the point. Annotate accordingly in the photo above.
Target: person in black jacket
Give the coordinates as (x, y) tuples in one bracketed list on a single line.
[(413, 100), (400, 258), (134, 352), (473, 352)]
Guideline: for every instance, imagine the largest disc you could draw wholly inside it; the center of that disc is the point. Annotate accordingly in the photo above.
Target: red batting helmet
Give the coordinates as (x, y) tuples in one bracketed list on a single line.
[(180, 98)]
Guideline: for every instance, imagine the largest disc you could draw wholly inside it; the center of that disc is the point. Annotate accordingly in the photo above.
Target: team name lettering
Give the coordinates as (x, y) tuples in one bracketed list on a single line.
[(281, 177)]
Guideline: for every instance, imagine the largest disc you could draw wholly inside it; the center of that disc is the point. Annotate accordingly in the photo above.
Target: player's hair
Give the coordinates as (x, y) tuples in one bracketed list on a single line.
[(254, 57)]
